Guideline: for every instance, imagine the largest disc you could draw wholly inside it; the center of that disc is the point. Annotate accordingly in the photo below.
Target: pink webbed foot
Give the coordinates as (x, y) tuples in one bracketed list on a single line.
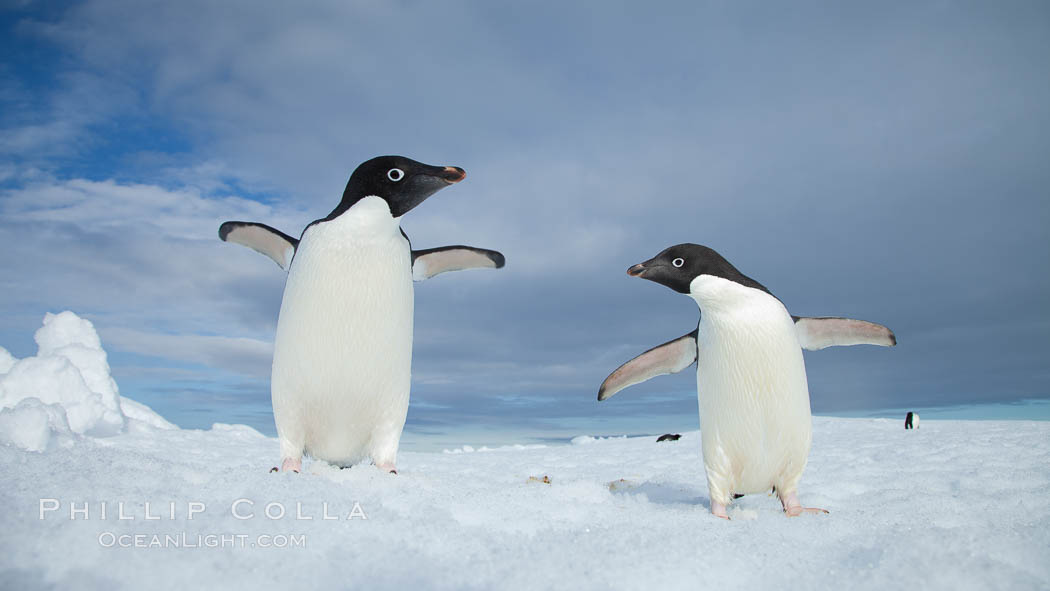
[(290, 465), (387, 468), (796, 511), (794, 508), (719, 510)]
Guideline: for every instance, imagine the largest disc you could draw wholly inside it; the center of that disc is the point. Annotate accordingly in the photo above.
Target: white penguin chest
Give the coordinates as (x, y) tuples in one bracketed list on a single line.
[(750, 360), (345, 326), (752, 389)]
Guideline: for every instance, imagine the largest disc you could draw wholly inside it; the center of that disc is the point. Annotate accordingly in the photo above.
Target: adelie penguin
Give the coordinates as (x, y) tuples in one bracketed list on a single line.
[(342, 356), (755, 421), (911, 420)]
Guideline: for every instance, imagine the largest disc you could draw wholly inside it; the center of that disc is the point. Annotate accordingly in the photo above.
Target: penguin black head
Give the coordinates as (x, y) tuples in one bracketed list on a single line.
[(677, 266), (402, 182)]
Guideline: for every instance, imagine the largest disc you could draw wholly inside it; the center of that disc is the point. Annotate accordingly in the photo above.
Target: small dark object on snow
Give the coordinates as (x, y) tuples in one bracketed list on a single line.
[(911, 421), (274, 469), (668, 437)]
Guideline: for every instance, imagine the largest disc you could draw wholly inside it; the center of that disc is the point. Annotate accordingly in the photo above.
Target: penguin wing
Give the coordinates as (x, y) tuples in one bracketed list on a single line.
[(434, 261), (815, 334), (261, 238), (670, 357)]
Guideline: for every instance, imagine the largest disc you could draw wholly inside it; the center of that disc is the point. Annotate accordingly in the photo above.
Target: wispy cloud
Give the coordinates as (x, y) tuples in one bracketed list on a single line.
[(250, 357)]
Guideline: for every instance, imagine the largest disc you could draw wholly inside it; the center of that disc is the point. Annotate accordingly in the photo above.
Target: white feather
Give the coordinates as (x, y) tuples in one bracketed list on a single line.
[(261, 239), (755, 417), (343, 349)]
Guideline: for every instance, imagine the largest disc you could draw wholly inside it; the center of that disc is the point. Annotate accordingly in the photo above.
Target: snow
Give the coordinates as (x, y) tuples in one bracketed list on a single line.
[(467, 449), (65, 389), (32, 425), (955, 505), (141, 416), (587, 439)]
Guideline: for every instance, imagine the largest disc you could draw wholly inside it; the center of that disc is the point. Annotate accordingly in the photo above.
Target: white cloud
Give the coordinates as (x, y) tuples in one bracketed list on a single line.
[(138, 255), (250, 357)]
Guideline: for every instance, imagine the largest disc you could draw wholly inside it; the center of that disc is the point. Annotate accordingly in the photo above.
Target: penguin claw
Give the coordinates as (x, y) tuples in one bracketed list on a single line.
[(274, 469)]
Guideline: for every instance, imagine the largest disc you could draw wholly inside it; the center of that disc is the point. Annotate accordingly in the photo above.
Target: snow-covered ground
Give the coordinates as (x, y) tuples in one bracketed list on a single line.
[(952, 505)]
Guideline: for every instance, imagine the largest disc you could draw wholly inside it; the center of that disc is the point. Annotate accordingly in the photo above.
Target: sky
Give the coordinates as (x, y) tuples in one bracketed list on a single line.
[(882, 161)]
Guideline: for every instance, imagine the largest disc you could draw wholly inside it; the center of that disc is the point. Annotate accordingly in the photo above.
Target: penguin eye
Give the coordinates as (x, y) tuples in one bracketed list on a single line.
[(678, 262), (395, 174)]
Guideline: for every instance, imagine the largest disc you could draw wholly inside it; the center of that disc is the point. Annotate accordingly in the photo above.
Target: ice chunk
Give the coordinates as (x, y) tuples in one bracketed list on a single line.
[(33, 425), (71, 370), (55, 380), (70, 336)]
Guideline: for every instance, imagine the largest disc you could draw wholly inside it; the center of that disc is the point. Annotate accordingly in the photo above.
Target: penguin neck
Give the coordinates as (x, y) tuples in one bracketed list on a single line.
[(738, 320), (352, 195), (719, 296), (366, 220)]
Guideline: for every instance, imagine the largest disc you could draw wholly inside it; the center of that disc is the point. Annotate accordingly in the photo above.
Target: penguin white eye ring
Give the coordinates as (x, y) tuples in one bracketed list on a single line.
[(395, 174), (678, 262)]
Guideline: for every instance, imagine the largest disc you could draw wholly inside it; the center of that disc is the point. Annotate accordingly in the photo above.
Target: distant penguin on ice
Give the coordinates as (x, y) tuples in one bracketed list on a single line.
[(911, 420), (755, 421), (342, 356)]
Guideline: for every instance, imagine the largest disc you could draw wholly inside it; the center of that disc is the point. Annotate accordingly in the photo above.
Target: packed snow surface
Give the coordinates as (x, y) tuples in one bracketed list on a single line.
[(952, 505)]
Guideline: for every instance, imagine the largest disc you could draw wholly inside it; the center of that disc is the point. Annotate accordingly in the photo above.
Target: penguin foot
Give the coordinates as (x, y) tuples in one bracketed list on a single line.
[(291, 465), (719, 510), (796, 511), (794, 508), (387, 468)]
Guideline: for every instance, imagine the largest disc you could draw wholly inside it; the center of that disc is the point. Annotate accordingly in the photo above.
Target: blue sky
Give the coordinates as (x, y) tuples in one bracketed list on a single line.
[(885, 162)]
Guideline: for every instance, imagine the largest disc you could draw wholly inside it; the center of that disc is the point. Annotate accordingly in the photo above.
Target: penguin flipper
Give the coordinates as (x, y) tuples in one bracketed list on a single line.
[(434, 261), (261, 238), (815, 334), (670, 357)]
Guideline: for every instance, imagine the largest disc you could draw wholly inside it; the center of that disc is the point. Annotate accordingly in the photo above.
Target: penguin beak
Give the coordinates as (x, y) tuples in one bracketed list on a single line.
[(423, 182), (452, 174), (641, 269), (657, 270)]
